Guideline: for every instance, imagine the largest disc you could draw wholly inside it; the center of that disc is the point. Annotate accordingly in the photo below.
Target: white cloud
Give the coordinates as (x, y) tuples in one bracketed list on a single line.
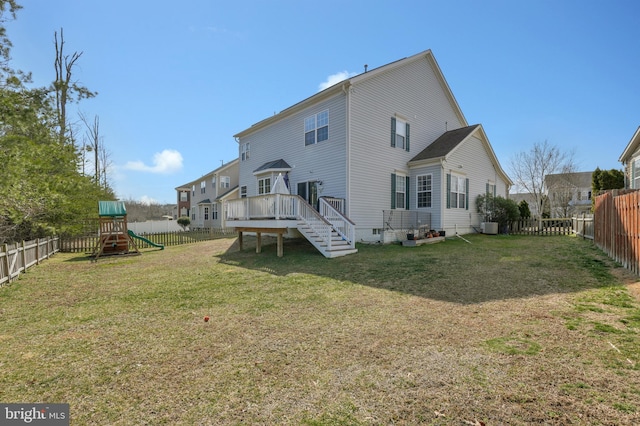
[(335, 78), (148, 200), (167, 161)]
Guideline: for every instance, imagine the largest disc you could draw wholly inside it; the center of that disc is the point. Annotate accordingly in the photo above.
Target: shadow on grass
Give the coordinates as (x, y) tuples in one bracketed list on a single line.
[(484, 269)]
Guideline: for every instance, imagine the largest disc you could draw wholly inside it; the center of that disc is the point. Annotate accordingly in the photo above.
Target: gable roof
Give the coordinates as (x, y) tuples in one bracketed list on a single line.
[(187, 186), (632, 147), (345, 84), (445, 143), (573, 179), (449, 141)]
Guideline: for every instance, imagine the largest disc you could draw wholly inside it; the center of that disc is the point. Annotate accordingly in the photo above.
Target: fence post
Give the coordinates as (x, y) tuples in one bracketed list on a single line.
[(5, 248)]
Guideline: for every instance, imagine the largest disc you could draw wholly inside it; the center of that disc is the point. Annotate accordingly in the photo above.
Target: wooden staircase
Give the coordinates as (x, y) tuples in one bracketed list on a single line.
[(331, 245)]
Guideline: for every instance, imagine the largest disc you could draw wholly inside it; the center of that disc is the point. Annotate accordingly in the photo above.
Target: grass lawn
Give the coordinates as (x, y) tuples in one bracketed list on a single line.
[(504, 330)]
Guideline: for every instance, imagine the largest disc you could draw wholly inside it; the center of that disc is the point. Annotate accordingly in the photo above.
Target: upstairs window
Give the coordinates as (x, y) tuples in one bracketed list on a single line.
[(316, 128), (193, 190), (184, 196), (225, 181), (399, 134), (203, 186), (213, 181), (244, 151)]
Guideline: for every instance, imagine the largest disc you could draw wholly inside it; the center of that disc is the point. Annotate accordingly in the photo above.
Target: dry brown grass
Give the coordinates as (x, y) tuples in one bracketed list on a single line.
[(506, 330)]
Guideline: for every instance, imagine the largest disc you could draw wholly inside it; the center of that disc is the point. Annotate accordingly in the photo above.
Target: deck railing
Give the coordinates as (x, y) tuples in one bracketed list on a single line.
[(267, 206), (330, 209)]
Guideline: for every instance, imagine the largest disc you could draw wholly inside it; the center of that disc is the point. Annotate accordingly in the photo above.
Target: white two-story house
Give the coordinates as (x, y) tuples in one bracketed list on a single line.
[(389, 143)]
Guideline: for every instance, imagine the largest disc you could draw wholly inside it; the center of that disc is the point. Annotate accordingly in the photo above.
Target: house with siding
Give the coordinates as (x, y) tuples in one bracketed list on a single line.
[(389, 143), (630, 160), (569, 194), (204, 199)]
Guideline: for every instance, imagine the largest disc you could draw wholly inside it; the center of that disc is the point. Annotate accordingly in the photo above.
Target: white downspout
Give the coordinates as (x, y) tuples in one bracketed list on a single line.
[(345, 90)]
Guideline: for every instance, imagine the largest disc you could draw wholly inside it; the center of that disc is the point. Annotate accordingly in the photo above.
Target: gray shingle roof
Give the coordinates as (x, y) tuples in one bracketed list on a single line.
[(278, 164), (445, 143)]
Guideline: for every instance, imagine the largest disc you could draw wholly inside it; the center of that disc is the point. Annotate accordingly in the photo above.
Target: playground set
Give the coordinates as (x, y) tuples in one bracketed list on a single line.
[(114, 237)]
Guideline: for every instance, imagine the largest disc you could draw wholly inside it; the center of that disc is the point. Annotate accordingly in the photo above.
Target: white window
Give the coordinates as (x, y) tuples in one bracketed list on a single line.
[(264, 186), (184, 196), (636, 174), (424, 183), (316, 128), (213, 181), (214, 211), (401, 134), (193, 190), (225, 181), (203, 186), (244, 151), (206, 213), (458, 193), (401, 191), (243, 191)]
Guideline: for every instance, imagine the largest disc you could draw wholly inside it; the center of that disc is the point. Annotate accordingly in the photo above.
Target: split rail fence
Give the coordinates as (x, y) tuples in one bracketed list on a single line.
[(617, 227), (18, 257)]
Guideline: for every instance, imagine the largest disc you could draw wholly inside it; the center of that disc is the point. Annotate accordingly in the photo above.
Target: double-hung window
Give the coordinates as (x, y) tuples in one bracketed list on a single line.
[(244, 151), (457, 192), (214, 211), (399, 191), (316, 128), (206, 213), (225, 181), (243, 191), (203, 187), (424, 183), (399, 134), (636, 174)]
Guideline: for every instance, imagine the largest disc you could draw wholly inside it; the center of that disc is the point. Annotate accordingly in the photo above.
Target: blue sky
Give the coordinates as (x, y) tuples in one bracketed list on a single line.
[(176, 80)]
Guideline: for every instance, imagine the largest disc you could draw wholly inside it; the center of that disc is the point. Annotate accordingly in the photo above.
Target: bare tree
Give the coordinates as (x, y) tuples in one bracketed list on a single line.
[(531, 167), (95, 144), (65, 89)]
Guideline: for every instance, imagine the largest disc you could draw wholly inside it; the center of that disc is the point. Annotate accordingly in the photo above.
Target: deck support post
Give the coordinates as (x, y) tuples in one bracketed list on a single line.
[(259, 231)]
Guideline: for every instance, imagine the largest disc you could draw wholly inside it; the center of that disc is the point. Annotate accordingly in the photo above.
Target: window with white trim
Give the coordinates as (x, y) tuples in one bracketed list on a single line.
[(206, 213), (193, 190), (399, 133), (243, 191), (225, 181), (424, 189), (213, 181), (184, 196), (636, 174), (264, 185), (203, 186), (214, 211), (458, 193), (244, 151), (316, 128), (401, 189)]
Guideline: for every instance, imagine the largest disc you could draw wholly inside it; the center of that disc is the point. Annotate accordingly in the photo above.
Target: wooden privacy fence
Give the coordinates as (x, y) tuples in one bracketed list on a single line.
[(86, 244), (616, 227), (556, 226), (18, 257)]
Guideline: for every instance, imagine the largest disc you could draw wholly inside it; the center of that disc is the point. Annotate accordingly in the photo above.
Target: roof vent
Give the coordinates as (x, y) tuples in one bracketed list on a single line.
[(365, 67)]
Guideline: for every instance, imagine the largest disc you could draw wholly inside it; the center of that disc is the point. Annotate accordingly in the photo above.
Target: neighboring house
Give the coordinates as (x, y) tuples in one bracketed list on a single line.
[(569, 194), (529, 198), (392, 139), (204, 199), (630, 160)]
